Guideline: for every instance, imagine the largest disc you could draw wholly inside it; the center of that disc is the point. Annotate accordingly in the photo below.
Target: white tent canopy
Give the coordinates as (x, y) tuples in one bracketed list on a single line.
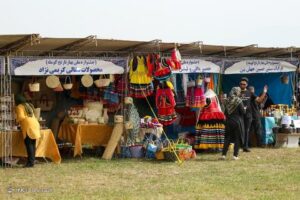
[(260, 66)]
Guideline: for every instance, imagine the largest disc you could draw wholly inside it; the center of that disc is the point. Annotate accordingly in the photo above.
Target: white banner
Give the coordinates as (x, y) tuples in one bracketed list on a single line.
[(61, 66), (197, 66), (260, 66)]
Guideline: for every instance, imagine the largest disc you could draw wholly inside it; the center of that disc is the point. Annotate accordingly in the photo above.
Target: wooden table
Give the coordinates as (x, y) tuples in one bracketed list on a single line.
[(289, 140), (46, 146), (78, 134)]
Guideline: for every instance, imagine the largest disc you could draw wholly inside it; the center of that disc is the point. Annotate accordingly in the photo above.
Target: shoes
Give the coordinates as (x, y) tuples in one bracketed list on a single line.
[(222, 157), (235, 158), (246, 150), (28, 165)]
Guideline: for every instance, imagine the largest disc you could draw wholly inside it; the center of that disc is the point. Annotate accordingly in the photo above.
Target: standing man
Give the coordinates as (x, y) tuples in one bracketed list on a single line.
[(256, 127), (246, 98)]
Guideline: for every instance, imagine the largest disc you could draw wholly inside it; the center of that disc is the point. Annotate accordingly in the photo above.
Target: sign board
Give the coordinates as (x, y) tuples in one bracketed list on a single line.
[(197, 66), (37, 66), (260, 66)]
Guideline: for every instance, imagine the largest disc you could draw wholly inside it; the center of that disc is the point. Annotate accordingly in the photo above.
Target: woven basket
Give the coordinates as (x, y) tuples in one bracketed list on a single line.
[(137, 151), (87, 80), (34, 87), (170, 156), (102, 81), (68, 83), (52, 81)]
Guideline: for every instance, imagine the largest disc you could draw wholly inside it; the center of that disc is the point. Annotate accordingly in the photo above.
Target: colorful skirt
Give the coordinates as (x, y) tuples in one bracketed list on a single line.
[(195, 97), (140, 90), (210, 136), (166, 116)]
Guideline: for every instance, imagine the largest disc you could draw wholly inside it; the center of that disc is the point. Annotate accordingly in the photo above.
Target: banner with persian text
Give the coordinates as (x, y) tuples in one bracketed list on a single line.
[(40, 66)]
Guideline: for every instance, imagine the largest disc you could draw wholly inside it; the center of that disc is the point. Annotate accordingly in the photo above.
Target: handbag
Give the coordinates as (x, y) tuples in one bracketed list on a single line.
[(68, 83), (137, 151), (103, 81), (111, 96), (44, 103), (34, 86)]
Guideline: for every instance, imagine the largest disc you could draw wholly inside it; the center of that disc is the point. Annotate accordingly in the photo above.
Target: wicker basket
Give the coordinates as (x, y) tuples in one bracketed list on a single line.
[(68, 83), (87, 80), (137, 151), (52, 81), (34, 87)]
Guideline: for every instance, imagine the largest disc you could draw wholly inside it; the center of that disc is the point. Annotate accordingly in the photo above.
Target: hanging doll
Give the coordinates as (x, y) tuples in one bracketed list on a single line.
[(165, 104), (195, 96)]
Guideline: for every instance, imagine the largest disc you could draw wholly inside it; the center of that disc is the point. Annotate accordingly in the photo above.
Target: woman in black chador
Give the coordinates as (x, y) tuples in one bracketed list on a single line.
[(234, 127)]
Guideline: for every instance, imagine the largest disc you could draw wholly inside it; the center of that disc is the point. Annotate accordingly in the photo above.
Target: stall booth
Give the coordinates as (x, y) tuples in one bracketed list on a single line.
[(201, 75), (278, 75), (75, 99)]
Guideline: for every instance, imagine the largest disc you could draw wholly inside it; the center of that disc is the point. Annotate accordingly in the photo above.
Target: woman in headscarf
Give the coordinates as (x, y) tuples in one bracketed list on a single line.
[(234, 128), (30, 126)]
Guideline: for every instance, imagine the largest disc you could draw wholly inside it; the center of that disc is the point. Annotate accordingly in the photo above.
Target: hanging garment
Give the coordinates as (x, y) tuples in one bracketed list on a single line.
[(210, 127), (195, 97), (140, 81), (187, 116), (165, 104)]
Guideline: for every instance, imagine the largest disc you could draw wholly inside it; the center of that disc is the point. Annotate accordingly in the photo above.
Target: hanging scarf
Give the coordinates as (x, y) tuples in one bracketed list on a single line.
[(19, 99), (234, 100)]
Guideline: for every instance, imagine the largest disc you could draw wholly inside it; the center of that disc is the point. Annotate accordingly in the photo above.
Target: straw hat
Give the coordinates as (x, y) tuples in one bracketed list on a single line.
[(87, 80), (52, 81)]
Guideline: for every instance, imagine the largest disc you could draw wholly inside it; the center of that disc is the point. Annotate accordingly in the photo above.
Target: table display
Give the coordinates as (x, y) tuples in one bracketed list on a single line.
[(46, 146), (78, 134), (287, 140)]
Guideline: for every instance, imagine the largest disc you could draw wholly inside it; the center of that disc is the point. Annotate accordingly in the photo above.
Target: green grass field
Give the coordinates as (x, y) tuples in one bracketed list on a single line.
[(261, 174)]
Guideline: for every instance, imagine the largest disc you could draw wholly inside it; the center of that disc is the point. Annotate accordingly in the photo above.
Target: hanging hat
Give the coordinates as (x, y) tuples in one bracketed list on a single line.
[(87, 80), (52, 81)]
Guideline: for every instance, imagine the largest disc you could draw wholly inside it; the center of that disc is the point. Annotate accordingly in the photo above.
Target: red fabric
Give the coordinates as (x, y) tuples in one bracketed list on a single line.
[(195, 97), (175, 59), (187, 116), (212, 111), (165, 104)]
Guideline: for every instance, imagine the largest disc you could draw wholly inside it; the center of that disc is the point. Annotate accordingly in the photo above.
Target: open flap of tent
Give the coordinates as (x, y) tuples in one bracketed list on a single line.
[(198, 66), (66, 66), (260, 66)]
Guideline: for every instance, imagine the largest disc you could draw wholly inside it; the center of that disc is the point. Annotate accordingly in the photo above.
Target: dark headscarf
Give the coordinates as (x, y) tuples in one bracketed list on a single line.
[(20, 99), (234, 100)]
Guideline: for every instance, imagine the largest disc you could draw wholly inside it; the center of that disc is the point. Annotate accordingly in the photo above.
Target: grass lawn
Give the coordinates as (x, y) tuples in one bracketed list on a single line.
[(261, 174)]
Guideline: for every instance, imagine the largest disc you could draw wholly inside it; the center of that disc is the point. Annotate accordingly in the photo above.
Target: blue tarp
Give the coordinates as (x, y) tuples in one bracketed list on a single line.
[(280, 93)]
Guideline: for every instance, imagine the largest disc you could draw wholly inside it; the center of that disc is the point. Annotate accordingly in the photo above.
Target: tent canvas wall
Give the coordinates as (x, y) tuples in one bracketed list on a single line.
[(260, 73)]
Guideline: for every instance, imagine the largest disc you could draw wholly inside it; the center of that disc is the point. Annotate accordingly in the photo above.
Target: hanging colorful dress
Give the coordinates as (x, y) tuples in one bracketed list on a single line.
[(195, 97), (165, 104), (210, 128), (140, 81)]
